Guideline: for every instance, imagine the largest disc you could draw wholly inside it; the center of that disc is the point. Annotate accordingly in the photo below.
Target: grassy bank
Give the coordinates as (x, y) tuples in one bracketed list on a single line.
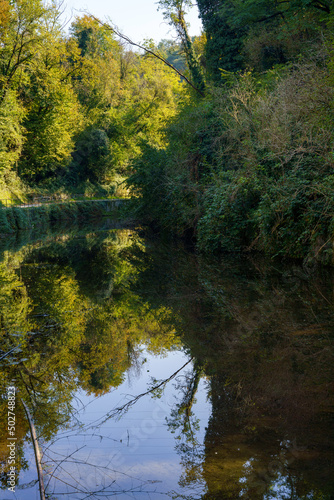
[(23, 218)]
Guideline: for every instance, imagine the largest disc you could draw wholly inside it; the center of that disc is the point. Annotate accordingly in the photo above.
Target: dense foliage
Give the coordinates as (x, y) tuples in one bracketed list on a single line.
[(74, 106), (250, 165)]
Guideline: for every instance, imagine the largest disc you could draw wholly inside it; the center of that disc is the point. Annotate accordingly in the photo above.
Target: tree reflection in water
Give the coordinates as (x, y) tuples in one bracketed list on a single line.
[(76, 313), (263, 333)]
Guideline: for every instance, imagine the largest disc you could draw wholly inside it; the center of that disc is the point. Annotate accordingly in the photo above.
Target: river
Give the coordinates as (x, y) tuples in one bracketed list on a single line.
[(152, 372)]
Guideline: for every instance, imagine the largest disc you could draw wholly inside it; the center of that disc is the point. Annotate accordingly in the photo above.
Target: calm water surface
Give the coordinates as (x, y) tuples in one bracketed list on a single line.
[(151, 372)]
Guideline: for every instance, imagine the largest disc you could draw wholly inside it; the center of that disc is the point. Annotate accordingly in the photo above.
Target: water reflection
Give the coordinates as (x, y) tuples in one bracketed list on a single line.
[(92, 313)]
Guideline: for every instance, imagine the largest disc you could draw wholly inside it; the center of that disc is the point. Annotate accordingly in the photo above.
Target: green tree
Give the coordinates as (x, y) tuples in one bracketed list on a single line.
[(127, 98), (21, 35), (149, 98), (11, 131), (264, 10), (174, 13), (98, 74), (97, 79), (224, 43), (91, 158), (39, 109), (52, 117), (258, 33)]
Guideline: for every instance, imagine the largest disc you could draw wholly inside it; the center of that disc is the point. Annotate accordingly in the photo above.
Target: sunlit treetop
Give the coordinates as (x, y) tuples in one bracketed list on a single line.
[(93, 39)]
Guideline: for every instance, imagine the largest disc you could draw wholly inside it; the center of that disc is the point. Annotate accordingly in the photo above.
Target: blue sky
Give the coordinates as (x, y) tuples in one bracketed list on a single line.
[(138, 19)]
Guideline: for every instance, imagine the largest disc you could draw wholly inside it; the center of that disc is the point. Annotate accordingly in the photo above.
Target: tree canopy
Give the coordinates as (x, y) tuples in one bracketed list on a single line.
[(74, 106)]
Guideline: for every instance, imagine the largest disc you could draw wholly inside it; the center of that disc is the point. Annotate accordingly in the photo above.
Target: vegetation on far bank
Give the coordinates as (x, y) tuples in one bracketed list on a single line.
[(250, 165)]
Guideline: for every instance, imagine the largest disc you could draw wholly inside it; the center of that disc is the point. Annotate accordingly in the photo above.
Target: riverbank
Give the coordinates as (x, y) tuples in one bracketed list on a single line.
[(26, 217)]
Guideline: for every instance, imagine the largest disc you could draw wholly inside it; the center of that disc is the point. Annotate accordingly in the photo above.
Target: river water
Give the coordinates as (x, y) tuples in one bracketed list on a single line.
[(151, 372)]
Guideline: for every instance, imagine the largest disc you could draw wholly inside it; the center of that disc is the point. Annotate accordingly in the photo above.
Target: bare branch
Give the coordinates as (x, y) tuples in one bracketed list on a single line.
[(115, 30)]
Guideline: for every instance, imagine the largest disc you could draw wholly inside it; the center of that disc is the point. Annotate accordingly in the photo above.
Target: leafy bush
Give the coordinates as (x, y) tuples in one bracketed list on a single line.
[(168, 182), (249, 167), (229, 208)]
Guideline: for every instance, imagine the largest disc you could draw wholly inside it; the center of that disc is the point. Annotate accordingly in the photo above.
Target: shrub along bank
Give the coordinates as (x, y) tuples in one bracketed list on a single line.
[(250, 166)]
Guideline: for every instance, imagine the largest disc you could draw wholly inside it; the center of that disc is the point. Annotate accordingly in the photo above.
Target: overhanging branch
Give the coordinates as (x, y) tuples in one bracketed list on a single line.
[(148, 51)]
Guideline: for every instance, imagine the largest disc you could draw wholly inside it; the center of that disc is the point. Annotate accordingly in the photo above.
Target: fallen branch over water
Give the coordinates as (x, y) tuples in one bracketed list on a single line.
[(156, 54)]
